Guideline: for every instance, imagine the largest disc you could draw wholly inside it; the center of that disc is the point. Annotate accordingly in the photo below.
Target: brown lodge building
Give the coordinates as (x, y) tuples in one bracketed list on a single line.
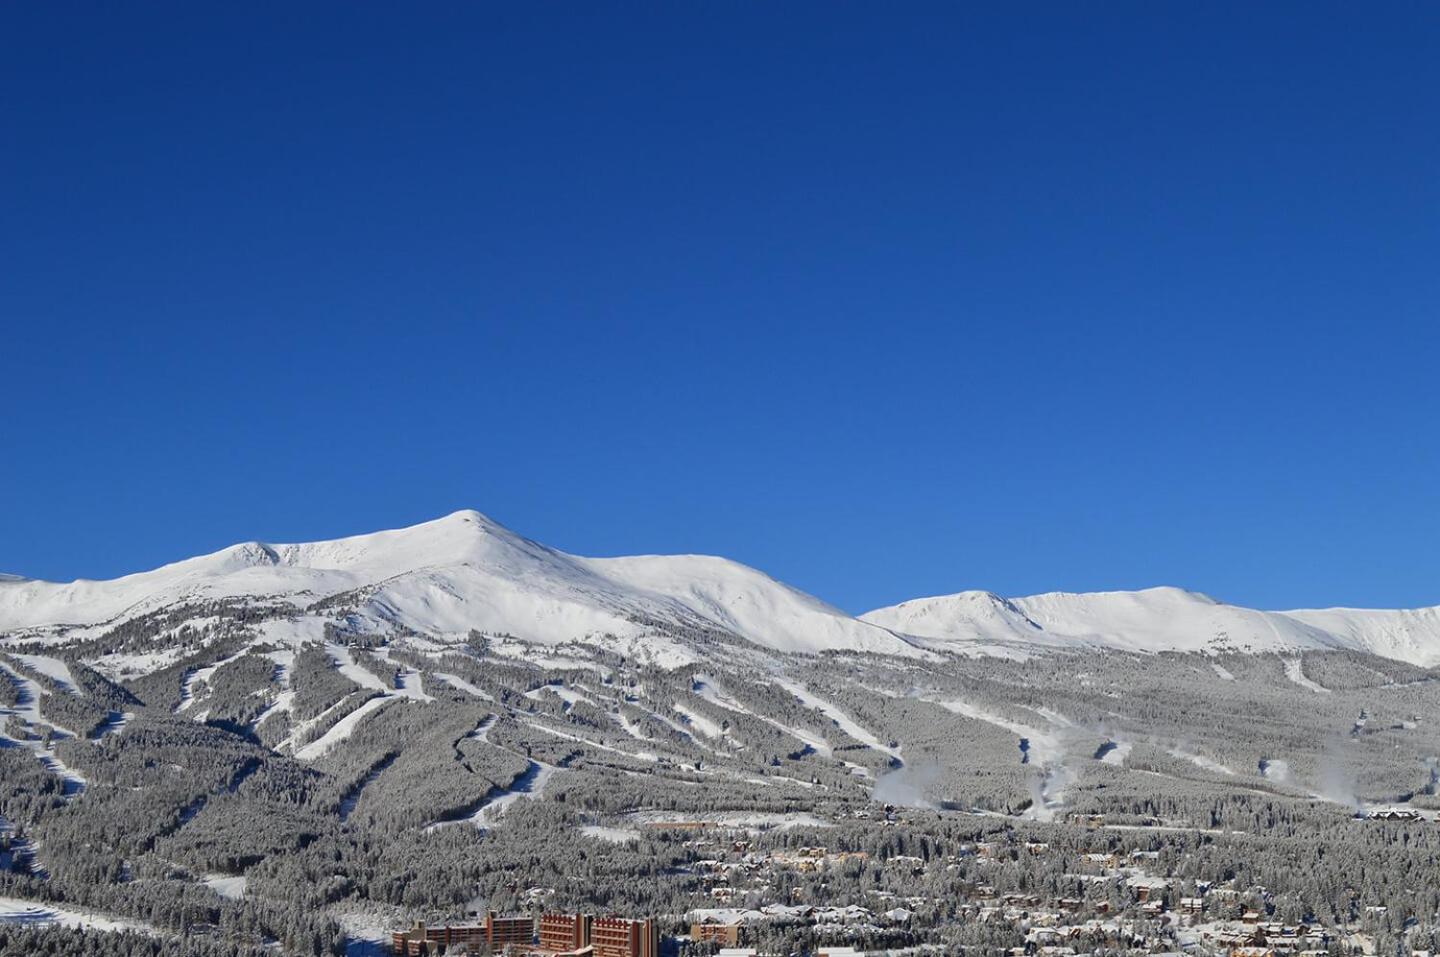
[(580, 935)]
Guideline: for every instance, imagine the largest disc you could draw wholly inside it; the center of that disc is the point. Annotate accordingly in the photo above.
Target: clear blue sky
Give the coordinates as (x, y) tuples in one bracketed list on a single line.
[(887, 300)]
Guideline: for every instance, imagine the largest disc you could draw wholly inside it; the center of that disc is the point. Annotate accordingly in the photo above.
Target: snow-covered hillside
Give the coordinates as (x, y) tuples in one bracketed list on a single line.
[(1155, 619), (463, 572)]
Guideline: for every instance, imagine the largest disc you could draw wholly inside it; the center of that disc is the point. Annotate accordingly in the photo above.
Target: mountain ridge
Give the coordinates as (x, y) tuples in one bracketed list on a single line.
[(465, 571)]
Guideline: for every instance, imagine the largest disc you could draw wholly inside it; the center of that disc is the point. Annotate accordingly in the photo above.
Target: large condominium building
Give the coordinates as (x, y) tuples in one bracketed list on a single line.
[(495, 934), (563, 933), (559, 934), (619, 937), (500, 931)]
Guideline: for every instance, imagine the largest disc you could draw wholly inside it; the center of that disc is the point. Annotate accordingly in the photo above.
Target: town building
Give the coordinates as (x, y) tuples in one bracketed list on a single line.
[(563, 933), (621, 937), (726, 935), (500, 931), (496, 933)]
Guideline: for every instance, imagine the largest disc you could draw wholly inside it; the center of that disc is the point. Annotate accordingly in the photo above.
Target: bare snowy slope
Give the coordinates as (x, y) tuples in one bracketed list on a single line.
[(463, 572), (1156, 619), (466, 572)]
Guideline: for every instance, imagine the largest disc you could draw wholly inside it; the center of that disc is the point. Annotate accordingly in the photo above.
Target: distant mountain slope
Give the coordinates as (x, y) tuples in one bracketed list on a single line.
[(1155, 619), (1411, 635), (463, 572)]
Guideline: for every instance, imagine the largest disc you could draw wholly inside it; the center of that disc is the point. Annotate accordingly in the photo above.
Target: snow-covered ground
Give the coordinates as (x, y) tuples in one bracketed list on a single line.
[(349, 802), (229, 886), (345, 664), (530, 785), (846, 723), (409, 684), (460, 684), (611, 835), (648, 756), (1200, 761), (1275, 769), (780, 780), (706, 687), (52, 668), (113, 724), (1039, 740), (284, 659), (284, 701), (698, 721), (367, 934), (743, 820), (29, 693), (672, 723), (1295, 672), (21, 852), (73, 781), (14, 910), (198, 675), (408, 681), (343, 728), (1155, 619), (27, 712), (1115, 752), (482, 730), (466, 572), (409, 687), (630, 727), (570, 696)]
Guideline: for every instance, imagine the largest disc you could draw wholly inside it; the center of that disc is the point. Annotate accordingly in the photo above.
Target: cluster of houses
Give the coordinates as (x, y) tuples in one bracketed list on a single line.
[(725, 876), (1116, 904), (729, 926), (1113, 902)]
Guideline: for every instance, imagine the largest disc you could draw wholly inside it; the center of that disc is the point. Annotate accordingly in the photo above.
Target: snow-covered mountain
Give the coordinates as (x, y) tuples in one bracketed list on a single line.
[(1155, 619), (462, 572)]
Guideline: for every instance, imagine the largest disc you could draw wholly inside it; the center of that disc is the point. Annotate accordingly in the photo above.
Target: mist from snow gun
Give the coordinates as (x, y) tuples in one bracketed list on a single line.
[(908, 784)]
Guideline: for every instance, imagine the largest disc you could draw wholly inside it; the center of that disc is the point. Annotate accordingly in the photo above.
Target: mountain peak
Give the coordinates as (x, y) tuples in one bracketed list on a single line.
[(467, 516), (465, 571)]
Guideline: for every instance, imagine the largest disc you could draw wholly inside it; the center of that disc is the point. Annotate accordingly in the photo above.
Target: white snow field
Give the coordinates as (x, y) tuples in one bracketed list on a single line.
[(841, 719), (611, 835), (14, 910), (466, 572), (343, 728), (27, 712), (1152, 620), (705, 687), (52, 668), (228, 886), (460, 684), (199, 675), (1295, 672)]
